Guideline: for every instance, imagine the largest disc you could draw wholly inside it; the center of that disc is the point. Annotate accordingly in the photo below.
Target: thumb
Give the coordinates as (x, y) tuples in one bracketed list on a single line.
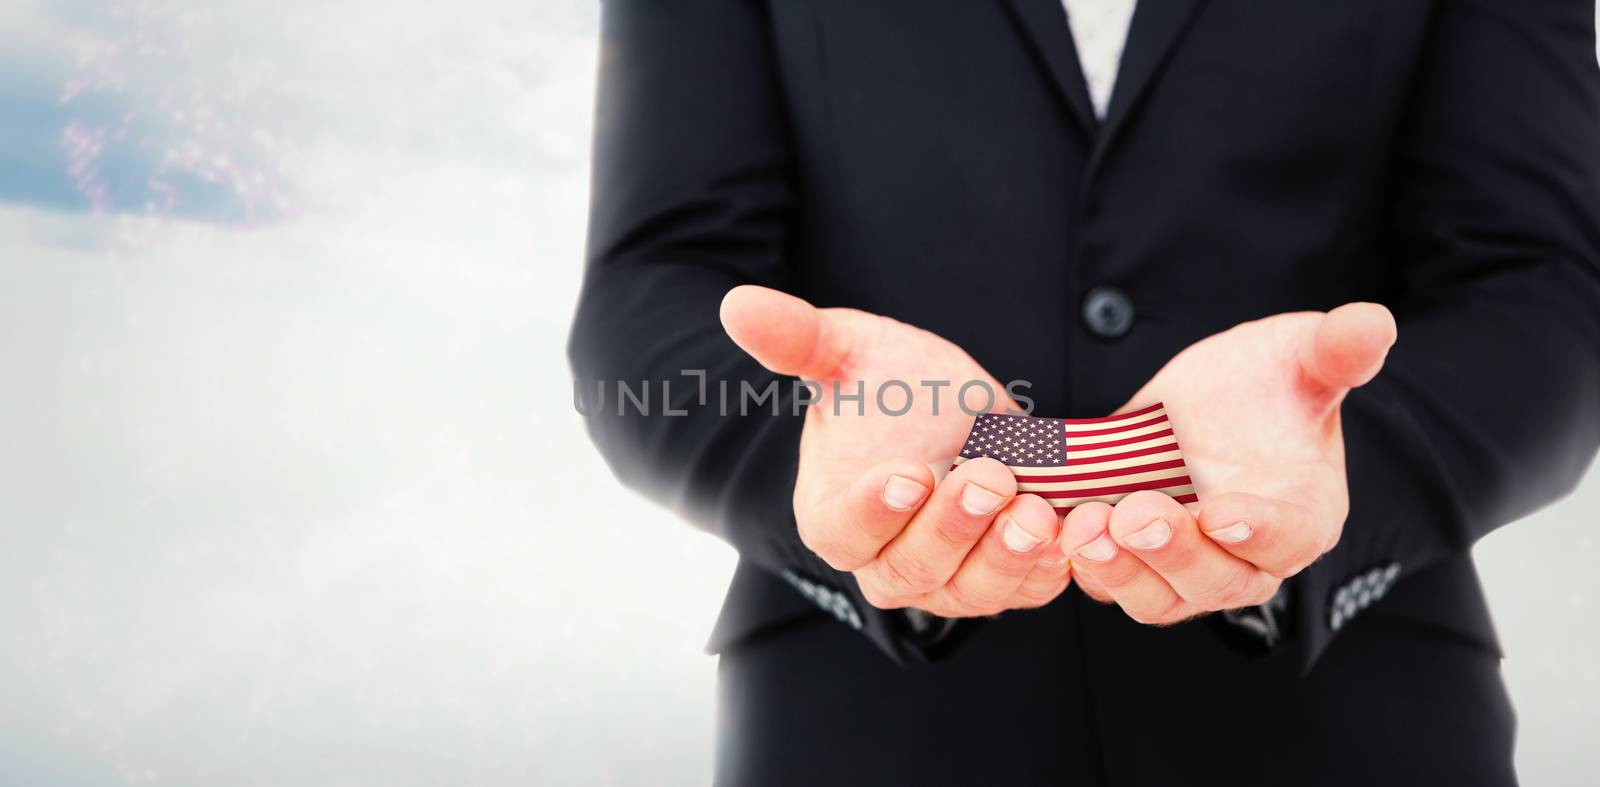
[(784, 333), (1348, 345)]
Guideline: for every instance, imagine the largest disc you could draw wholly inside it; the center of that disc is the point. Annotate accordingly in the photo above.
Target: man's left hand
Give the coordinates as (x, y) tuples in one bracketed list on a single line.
[(1256, 411)]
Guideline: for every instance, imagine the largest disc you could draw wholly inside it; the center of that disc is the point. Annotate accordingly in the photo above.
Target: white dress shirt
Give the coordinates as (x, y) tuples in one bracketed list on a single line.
[(1099, 30)]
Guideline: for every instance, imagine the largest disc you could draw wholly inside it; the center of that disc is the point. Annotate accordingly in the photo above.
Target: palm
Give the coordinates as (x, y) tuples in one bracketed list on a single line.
[(844, 438), (1250, 418)]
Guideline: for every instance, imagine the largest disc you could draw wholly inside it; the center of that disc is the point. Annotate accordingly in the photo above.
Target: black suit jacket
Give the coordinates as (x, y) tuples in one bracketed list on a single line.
[(937, 161)]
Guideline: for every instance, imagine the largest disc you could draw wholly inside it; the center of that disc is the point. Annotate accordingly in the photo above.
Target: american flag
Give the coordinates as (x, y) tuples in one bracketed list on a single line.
[(1069, 461)]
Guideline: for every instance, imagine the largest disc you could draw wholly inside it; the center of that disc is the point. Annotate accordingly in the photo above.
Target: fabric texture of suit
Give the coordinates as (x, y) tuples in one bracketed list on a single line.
[(938, 161)]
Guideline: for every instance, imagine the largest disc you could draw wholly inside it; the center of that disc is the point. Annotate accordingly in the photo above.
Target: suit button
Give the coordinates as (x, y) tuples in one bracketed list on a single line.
[(1108, 312)]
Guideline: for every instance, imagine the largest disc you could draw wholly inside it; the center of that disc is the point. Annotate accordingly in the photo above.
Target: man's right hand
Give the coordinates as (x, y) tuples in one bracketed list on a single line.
[(868, 499)]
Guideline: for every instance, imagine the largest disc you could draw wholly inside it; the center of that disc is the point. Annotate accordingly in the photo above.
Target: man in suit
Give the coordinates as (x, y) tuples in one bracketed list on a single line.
[(1228, 208)]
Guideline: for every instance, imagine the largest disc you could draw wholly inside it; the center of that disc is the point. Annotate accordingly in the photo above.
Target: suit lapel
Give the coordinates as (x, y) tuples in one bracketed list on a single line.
[(1044, 24), (1156, 28)]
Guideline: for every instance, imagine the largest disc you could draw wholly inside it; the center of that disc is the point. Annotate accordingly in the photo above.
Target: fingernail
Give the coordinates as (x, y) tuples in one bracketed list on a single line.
[(1232, 534), (901, 493), (1154, 536), (977, 501), (1017, 539), (1099, 550)]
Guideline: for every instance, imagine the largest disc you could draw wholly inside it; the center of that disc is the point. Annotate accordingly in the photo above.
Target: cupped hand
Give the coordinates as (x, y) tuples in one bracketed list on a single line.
[(869, 498), (1256, 413)]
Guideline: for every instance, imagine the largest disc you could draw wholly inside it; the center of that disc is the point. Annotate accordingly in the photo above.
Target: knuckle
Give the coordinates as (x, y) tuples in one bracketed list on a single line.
[(1262, 594), (1157, 614), (1031, 599), (943, 607), (840, 560), (1294, 562), (879, 597), (830, 549), (812, 538), (1180, 559), (1004, 564), (908, 573), (1119, 574), (1144, 616), (980, 601), (1230, 590), (1038, 596), (1174, 615), (957, 532), (833, 545), (1311, 554), (1330, 538)]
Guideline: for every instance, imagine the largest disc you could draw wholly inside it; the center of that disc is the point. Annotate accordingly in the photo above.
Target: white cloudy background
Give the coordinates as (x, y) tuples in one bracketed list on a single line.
[(291, 491)]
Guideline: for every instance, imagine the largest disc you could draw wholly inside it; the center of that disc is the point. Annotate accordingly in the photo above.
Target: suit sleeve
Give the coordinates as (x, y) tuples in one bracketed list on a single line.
[(1489, 406), (691, 196)]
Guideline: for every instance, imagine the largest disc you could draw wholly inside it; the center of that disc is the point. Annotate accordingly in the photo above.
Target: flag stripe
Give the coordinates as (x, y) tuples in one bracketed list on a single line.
[(1142, 454), (1143, 411), (1071, 433), (1108, 473), (1167, 450), (1156, 483), (1080, 456), (1148, 434)]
